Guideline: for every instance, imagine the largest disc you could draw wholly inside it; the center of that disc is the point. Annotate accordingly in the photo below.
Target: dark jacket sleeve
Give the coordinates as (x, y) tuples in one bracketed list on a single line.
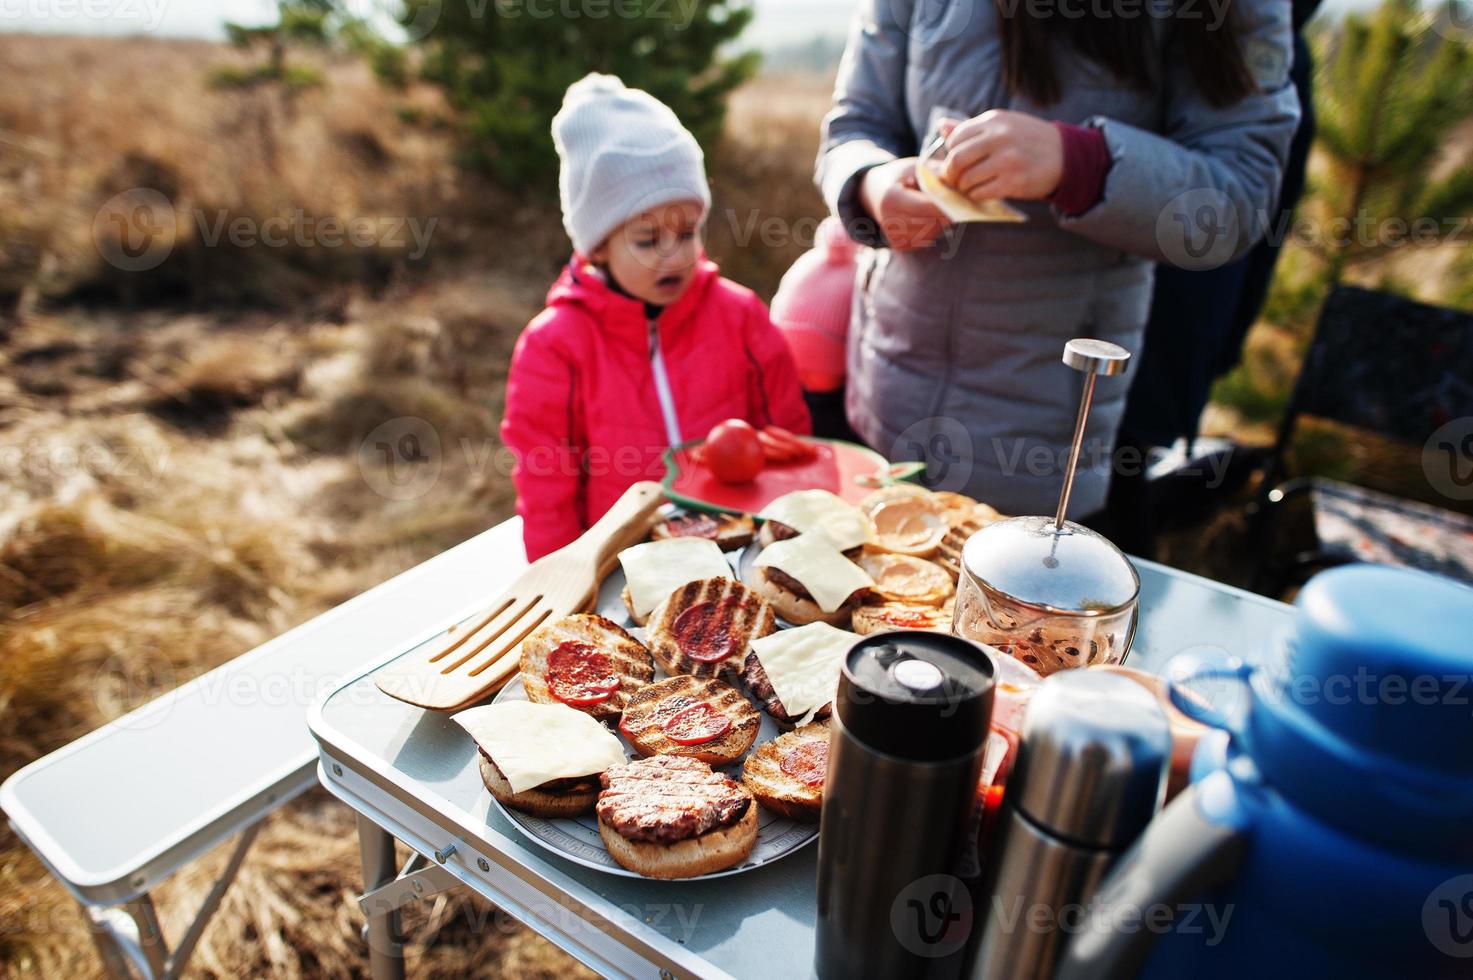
[(1200, 193)]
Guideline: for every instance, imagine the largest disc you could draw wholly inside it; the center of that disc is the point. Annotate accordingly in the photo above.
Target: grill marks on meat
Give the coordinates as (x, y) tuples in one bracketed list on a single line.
[(665, 799)]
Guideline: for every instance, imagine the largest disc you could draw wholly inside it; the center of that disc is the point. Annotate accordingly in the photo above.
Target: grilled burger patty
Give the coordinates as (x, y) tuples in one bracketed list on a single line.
[(781, 532), (757, 682), (783, 580), (664, 799)]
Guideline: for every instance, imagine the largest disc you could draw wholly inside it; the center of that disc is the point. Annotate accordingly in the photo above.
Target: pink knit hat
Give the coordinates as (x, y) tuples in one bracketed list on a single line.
[(811, 307)]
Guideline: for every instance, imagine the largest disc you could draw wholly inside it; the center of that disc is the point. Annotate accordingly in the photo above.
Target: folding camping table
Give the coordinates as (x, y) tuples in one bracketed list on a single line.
[(412, 775)]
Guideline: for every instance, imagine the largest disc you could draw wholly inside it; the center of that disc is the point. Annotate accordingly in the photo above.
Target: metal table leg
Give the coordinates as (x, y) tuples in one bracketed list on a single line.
[(128, 937), (150, 937), (385, 943), (115, 961)]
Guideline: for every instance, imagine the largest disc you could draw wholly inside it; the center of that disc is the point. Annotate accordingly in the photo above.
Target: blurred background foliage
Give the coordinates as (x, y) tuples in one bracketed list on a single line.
[(506, 74)]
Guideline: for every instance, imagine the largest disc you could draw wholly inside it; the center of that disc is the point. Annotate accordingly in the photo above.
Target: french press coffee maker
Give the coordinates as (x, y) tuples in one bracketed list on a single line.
[(1048, 591)]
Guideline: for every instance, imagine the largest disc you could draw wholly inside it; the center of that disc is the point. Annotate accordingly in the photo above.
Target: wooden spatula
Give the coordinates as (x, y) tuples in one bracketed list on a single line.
[(476, 660)]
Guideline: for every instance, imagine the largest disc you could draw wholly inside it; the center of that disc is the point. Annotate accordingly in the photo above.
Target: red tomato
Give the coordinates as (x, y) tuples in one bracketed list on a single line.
[(703, 634), (696, 724), (782, 446), (733, 453), (808, 763), (580, 675)]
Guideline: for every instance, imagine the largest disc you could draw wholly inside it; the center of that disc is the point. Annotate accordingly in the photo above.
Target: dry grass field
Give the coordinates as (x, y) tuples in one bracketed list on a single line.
[(180, 467)]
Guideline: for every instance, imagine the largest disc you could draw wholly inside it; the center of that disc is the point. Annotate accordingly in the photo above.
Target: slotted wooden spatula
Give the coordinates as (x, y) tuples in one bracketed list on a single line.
[(475, 660)]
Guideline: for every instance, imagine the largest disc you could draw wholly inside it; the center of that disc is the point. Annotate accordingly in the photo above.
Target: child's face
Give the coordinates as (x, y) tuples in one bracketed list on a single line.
[(653, 255)]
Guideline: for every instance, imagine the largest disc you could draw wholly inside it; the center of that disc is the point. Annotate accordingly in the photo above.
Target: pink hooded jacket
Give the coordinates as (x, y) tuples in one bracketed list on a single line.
[(597, 392)]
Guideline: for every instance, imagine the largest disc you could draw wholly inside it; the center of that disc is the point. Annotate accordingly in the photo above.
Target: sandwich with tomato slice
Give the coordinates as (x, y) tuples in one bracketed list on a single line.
[(691, 716), (786, 774), (657, 568), (729, 531), (586, 662), (704, 628)]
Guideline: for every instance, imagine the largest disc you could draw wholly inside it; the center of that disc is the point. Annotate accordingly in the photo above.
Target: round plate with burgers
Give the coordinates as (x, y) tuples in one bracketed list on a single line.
[(692, 730), (628, 805)]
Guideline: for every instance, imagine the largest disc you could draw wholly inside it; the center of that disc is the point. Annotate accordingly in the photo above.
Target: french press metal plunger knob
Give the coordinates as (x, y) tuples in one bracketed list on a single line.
[(1093, 358)]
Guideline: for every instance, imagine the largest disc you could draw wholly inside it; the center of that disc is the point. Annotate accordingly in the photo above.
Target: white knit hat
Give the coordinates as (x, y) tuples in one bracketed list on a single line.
[(623, 153)]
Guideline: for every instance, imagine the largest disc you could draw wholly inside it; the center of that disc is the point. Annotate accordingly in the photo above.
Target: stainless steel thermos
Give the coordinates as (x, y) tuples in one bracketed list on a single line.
[(909, 725), (1090, 775)]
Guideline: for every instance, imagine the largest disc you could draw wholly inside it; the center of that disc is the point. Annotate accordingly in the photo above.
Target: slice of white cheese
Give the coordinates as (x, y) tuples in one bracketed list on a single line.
[(534, 743), (828, 576), (657, 568), (820, 512), (803, 664)]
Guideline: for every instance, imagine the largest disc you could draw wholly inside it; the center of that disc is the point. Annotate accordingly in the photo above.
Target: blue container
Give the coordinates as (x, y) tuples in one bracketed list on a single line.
[(1331, 834)]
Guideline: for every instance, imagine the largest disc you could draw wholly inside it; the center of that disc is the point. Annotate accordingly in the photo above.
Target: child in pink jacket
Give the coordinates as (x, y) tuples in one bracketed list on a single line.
[(643, 344)]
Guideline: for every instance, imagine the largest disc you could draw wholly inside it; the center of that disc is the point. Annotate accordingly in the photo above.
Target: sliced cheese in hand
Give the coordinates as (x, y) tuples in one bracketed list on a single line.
[(803, 665), (657, 568), (956, 205), (827, 575), (820, 512), (534, 743)]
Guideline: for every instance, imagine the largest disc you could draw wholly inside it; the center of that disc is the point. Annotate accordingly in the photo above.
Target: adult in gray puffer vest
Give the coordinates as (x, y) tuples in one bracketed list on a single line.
[(1127, 131)]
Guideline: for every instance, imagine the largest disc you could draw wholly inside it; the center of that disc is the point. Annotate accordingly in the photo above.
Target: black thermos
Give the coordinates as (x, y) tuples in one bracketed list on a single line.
[(910, 722)]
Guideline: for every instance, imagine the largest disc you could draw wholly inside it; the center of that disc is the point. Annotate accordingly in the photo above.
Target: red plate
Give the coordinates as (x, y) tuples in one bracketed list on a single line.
[(843, 468)]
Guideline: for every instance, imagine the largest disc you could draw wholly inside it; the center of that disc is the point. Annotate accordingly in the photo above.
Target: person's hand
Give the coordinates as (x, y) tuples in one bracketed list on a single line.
[(907, 218), (1003, 153)]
